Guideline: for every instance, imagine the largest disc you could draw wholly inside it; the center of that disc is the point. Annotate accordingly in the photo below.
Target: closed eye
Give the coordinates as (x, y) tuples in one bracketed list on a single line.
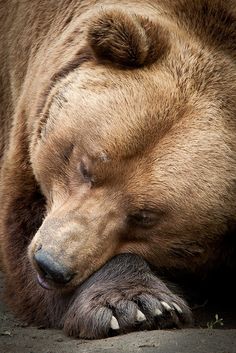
[(143, 218)]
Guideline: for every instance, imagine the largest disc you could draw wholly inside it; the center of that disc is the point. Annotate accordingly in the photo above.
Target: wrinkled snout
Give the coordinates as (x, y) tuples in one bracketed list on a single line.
[(71, 244)]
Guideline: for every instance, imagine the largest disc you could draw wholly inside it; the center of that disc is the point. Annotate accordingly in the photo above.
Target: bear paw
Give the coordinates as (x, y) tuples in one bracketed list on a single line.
[(124, 296)]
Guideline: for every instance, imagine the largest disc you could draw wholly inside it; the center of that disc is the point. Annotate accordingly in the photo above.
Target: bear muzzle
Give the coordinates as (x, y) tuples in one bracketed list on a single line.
[(71, 245)]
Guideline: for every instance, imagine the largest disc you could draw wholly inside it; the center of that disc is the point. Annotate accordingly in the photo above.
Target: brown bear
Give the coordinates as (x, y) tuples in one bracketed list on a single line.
[(117, 156)]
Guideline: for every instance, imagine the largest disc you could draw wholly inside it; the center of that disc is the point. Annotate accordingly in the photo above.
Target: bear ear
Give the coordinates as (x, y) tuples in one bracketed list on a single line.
[(126, 39)]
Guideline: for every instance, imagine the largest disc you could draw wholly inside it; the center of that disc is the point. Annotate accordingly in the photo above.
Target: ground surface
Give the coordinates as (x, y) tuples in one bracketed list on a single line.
[(16, 338)]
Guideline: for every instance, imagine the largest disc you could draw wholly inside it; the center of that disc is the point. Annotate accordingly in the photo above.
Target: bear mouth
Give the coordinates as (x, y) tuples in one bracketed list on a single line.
[(43, 282), (47, 284)]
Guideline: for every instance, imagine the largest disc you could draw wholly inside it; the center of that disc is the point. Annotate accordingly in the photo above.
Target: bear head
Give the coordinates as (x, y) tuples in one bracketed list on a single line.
[(133, 153)]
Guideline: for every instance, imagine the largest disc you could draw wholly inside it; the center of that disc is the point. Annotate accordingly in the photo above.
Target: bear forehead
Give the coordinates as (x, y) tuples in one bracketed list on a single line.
[(122, 111)]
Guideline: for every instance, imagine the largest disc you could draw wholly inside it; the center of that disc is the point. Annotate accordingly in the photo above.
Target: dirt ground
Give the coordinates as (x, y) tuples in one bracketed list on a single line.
[(15, 337)]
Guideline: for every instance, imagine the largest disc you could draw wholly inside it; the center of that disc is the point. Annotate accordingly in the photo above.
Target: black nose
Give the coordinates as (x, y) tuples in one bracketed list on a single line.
[(51, 269)]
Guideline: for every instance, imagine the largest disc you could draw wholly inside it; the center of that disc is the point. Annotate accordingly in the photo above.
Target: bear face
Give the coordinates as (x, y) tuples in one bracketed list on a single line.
[(136, 158)]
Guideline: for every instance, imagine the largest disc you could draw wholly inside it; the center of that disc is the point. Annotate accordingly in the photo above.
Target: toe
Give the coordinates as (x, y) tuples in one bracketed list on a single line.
[(94, 323), (150, 305), (126, 313)]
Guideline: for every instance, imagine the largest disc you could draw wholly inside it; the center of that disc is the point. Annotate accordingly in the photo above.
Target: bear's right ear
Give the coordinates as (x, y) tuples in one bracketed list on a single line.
[(126, 39)]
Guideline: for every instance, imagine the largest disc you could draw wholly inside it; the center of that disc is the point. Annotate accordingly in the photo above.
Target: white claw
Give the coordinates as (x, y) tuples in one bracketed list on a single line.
[(140, 316), (157, 312), (166, 306), (177, 308), (114, 323)]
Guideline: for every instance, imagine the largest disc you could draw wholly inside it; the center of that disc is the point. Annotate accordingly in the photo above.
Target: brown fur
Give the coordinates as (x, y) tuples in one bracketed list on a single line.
[(117, 136)]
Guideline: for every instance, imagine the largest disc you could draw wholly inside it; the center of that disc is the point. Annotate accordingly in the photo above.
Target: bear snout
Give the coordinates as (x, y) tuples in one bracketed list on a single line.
[(74, 241), (50, 271)]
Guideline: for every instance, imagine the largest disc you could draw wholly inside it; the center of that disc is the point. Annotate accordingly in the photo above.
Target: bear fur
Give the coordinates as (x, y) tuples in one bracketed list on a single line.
[(117, 157)]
